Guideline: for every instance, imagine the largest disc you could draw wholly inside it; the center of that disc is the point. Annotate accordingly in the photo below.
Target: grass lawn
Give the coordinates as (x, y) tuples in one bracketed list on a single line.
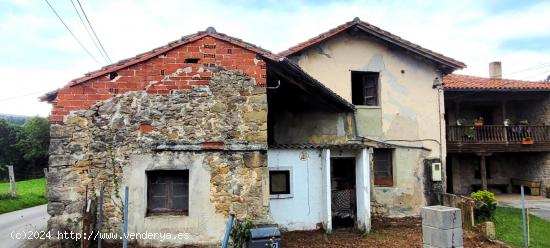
[(29, 193), (510, 230)]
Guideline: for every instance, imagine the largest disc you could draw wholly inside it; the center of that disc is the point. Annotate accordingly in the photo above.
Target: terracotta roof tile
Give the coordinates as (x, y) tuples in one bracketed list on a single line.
[(382, 34), (464, 82)]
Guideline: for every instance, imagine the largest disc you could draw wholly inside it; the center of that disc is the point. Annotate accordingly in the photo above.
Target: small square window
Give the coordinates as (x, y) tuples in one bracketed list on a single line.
[(279, 182), (168, 192), (280, 185)]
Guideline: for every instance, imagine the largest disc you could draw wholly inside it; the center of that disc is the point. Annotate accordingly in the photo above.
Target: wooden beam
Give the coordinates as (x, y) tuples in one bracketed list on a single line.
[(483, 172)]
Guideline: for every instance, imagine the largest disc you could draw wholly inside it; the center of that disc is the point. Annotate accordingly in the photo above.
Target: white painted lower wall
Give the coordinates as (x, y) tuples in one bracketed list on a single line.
[(309, 205), (304, 209)]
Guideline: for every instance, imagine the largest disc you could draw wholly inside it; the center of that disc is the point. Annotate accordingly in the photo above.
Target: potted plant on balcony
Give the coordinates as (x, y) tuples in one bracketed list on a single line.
[(478, 122), (460, 122), (470, 132), (527, 141)]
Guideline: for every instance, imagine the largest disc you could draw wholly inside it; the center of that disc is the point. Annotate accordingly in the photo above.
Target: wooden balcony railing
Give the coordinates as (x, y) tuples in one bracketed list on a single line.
[(497, 134)]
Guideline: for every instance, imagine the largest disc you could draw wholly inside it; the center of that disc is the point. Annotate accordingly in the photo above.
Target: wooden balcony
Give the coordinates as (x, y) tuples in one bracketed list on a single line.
[(498, 138)]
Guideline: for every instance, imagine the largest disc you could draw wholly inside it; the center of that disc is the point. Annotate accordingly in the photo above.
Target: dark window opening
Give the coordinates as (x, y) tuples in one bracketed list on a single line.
[(279, 182), (229, 50), (162, 72), (383, 167), (113, 90), (208, 46), (364, 88), (168, 192), (191, 61), (212, 56), (113, 75)]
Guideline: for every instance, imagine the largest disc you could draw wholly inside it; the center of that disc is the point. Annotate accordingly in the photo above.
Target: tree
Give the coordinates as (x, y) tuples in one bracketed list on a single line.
[(33, 141), (8, 138)]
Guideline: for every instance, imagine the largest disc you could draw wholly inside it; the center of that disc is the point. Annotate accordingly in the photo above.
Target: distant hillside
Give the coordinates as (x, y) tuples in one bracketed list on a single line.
[(15, 119)]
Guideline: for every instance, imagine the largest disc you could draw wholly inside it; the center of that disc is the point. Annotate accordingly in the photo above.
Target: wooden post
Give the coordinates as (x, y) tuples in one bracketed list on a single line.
[(483, 172), (100, 214), (125, 225), (12, 181), (85, 222)]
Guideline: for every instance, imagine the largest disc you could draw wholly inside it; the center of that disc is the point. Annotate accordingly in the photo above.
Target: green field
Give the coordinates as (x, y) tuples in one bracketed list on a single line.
[(509, 228), (29, 193)]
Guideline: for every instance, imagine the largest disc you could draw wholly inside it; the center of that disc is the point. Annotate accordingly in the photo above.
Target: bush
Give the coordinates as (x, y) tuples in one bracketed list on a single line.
[(240, 232), (486, 205)]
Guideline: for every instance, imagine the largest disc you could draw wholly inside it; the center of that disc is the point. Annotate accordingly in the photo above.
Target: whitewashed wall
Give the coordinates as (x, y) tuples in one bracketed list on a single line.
[(302, 211)]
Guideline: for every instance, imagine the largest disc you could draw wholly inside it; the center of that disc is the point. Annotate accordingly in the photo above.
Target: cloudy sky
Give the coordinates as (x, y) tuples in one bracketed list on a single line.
[(37, 54)]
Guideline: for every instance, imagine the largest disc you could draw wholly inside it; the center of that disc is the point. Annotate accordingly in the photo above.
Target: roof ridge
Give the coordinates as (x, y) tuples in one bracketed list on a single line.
[(477, 83), (499, 79), (356, 21)]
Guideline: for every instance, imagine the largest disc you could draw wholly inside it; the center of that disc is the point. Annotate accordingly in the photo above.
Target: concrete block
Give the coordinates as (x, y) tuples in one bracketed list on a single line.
[(442, 217), (442, 238)]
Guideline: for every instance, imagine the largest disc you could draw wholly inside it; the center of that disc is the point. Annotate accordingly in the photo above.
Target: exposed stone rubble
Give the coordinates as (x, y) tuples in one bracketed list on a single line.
[(94, 145)]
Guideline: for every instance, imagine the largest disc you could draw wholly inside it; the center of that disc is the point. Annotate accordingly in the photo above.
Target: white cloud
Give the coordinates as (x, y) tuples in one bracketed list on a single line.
[(465, 31)]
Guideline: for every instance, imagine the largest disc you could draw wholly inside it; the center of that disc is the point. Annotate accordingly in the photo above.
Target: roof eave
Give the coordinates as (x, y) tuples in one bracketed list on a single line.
[(493, 90)]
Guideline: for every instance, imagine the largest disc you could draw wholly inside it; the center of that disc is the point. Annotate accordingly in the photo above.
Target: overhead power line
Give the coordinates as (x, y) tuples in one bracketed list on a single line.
[(535, 67), (68, 29), (93, 31), (88, 31)]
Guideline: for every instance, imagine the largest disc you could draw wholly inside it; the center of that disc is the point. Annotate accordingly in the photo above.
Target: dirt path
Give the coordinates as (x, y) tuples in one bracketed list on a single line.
[(406, 232)]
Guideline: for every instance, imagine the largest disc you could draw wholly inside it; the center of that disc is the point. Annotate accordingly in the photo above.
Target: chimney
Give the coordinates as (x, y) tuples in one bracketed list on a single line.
[(495, 70)]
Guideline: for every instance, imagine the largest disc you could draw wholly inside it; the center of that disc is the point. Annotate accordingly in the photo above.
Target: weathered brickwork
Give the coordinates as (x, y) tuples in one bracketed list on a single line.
[(178, 69), (222, 120)]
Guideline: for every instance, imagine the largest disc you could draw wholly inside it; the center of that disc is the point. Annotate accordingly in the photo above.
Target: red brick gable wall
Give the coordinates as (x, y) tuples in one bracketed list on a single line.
[(162, 74)]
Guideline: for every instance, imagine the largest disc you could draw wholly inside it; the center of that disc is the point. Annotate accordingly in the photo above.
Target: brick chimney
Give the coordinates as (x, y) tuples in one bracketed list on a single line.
[(495, 70)]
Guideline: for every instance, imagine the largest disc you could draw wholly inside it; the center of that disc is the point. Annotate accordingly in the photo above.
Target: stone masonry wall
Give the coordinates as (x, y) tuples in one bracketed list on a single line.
[(225, 118)]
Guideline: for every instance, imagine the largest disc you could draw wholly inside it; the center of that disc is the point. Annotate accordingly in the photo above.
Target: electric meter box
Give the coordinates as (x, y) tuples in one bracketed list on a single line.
[(436, 172)]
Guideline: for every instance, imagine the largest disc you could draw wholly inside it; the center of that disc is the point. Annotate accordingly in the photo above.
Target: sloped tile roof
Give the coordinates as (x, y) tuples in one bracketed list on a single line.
[(464, 82), (278, 59), (174, 44), (382, 34)]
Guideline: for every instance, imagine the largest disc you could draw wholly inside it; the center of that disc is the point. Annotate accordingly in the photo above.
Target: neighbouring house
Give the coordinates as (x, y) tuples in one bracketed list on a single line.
[(395, 86), (199, 129), (498, 133)]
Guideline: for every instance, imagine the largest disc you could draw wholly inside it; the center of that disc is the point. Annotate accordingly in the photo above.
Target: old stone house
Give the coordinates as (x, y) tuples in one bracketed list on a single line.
[(210, 125), (510, 143), (187, 128), (396, 87)]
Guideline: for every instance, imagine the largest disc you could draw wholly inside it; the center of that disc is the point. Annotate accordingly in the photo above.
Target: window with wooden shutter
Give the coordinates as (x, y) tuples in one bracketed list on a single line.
[(168, 192), (364, 88), (383, 167)]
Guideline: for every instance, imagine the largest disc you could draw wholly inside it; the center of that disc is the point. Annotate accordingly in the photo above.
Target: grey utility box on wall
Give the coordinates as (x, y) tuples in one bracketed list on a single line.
[(266, 236)]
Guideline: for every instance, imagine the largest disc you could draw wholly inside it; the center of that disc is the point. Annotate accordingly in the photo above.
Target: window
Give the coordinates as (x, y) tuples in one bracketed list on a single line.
[(383, 167), (364, 88), (279, 183), (168, 192)]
